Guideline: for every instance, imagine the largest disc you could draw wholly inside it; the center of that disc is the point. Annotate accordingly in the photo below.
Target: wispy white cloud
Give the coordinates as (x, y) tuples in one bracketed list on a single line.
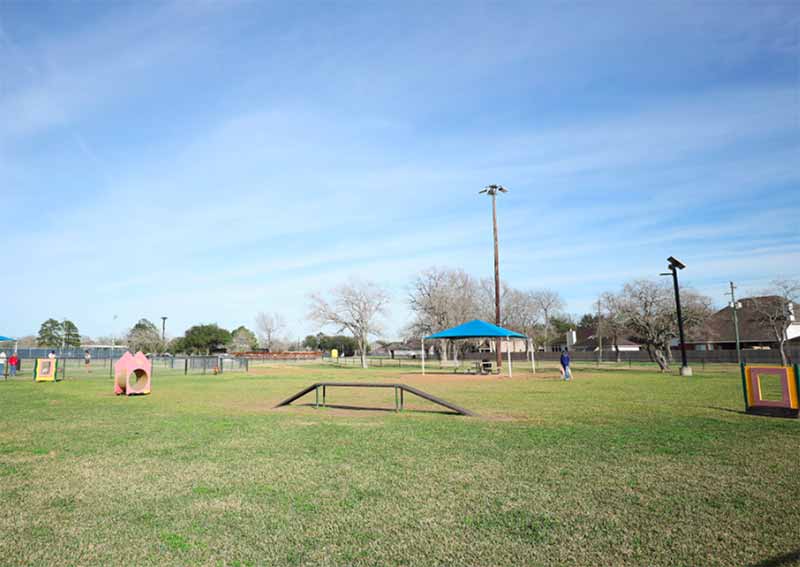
[(325, 150)]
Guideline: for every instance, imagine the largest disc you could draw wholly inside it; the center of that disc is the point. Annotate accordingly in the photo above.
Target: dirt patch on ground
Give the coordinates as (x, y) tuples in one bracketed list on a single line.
[(418, 378), (456, 388)]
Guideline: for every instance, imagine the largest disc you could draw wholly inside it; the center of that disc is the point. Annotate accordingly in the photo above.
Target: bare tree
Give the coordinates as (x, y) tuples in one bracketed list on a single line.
[(486, 300), (776, 311), (355, 307), (647, 310), (269, 325), (611, 321), (521, 312), (549, 303), (441, 298), (144, 336)]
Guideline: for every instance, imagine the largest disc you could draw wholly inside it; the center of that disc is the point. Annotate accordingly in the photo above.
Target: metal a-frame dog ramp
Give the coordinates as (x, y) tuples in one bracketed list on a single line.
[(399, 395)]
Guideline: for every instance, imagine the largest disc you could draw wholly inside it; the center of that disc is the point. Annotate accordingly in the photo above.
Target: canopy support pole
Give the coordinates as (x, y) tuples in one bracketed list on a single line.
[(533, 356), (423, 356), (508, 348)]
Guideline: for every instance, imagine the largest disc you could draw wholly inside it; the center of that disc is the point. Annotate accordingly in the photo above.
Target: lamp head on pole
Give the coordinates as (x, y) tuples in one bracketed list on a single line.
[(493, 190), (675, 263)]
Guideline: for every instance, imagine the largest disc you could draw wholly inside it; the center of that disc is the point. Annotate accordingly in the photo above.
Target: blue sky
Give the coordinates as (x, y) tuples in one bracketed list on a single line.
[(207, 161)]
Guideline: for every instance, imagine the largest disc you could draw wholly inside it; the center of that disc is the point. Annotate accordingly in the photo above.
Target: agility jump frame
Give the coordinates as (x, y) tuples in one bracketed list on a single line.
[(399, 395)]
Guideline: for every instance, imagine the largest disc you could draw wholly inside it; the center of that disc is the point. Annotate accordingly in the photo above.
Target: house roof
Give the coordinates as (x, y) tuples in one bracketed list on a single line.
[(398, 345), (587, 338), (476, 329), (719, 328)]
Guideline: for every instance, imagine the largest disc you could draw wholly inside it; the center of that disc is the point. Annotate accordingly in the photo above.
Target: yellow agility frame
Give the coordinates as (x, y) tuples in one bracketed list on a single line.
[(45, 370), (790, 385)]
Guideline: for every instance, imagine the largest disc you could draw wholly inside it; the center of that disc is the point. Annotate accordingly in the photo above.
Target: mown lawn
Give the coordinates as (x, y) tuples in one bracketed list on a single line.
[(617, 468)]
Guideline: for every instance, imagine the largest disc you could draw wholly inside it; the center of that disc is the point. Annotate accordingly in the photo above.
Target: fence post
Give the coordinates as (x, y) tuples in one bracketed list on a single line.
[(186, 366)]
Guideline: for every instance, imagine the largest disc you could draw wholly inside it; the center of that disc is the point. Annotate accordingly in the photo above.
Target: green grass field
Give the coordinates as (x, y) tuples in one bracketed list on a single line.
[(623, 467)]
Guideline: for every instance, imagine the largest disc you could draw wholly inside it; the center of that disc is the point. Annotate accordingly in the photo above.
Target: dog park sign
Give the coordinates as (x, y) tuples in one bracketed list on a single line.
[(771, 390)]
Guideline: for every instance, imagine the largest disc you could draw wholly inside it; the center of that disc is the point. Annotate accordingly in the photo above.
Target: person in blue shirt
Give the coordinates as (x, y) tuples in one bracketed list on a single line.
[(565, 365)]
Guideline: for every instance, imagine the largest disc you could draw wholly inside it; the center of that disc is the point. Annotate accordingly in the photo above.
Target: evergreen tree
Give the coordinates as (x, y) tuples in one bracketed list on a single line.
[(50, 334), (205, 339), (72, 338), (243, 340)]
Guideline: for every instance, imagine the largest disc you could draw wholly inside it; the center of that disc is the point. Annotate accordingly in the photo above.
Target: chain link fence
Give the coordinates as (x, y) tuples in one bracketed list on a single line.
[(75, 367), (720, 359)]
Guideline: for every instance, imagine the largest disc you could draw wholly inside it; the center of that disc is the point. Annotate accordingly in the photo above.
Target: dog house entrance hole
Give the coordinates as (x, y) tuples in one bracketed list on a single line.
[(138, 379)]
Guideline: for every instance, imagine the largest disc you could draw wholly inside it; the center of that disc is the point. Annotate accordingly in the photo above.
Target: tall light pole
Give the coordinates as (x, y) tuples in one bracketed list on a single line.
[(735, 308), (163, 328), (674, 266), (599, 335), (493, 190)]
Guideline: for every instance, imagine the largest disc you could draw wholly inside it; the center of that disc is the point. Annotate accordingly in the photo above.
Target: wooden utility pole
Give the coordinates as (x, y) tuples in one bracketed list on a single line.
[(493, 190), (734, 307)]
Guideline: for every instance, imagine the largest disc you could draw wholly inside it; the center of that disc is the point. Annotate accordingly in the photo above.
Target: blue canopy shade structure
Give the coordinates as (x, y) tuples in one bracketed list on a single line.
[(477, 329), (4, 339)]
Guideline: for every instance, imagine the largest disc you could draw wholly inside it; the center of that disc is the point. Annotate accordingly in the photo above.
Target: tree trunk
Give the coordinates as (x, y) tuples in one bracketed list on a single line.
[(546, 330), (780, 334), (663, 364), (658, 356), (362, 344), (617, 351), (443, 350)]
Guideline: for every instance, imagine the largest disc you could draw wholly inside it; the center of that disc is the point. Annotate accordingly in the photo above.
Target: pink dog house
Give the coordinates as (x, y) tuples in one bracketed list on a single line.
[(132, 374)]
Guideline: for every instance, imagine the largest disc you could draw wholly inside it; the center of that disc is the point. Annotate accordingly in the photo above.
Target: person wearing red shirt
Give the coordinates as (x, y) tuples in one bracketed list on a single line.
[(13, 361)]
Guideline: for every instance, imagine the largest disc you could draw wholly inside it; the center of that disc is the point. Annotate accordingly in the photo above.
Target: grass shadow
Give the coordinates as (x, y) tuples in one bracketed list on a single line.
[(367, 408), (791, 558), (729, 410)]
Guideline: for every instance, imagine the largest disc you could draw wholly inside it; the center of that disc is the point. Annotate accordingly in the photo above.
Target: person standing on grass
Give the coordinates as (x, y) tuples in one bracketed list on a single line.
[(52, 355), (567, 373), (13, 362), (87, 361), (3, 363)]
